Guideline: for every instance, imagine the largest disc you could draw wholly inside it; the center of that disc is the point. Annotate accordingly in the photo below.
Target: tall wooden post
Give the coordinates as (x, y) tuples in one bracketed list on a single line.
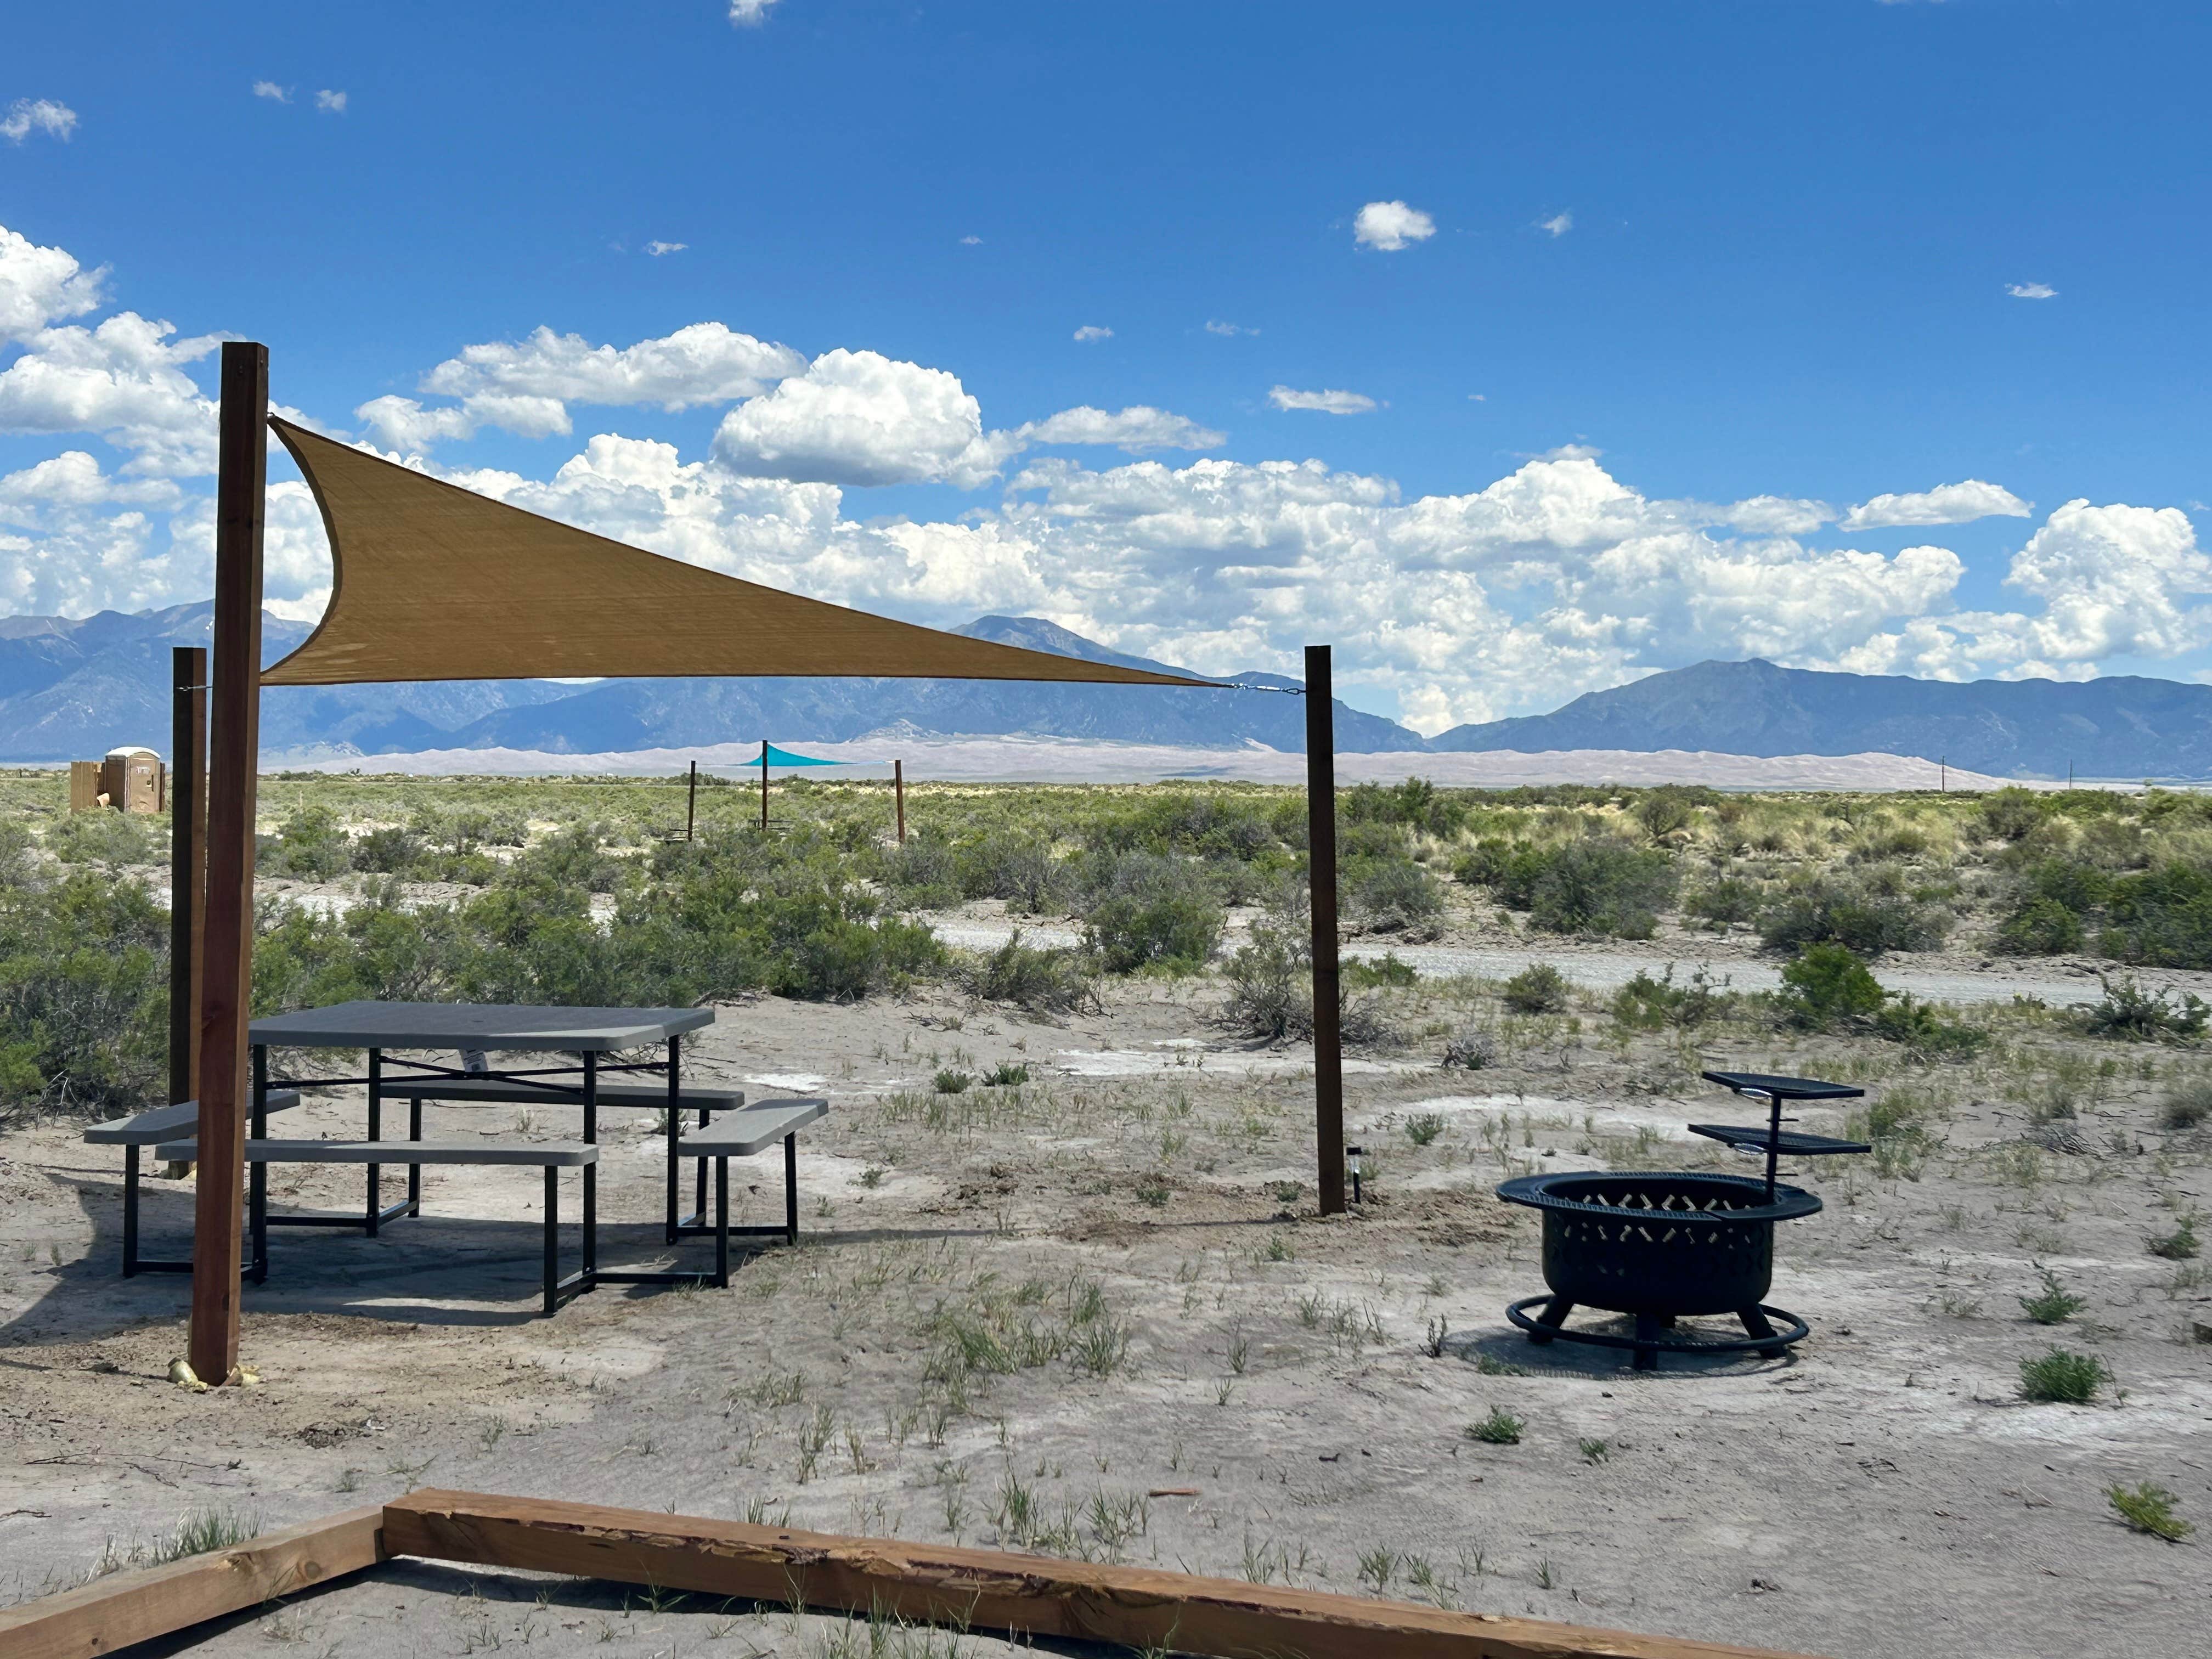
[(763, 786), (898, 790), (1320, 860), (234, 738), (187, 863), (691, 804)]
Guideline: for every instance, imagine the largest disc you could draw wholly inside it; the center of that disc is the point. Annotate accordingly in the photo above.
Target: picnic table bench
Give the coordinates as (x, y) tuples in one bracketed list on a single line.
[(149, 1129), (550, 1156)]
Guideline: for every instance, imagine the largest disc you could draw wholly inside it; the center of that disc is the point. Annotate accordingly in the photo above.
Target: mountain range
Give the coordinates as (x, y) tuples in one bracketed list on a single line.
[(73, 687)]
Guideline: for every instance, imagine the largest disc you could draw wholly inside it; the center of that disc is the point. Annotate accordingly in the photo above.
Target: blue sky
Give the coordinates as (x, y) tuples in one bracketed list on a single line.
[(1620, 268)]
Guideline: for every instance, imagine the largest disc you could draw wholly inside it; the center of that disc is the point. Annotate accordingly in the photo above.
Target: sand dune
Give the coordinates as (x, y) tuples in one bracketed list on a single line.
[(1068, 759)]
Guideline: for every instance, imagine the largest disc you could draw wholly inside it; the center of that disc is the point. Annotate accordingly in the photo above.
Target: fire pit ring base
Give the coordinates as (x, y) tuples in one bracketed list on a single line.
[(1651, 1339)]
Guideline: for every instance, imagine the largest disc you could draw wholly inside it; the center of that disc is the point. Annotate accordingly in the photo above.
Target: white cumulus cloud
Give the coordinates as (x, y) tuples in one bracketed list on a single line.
[(29, 115), (1093, 331), (330, 103), (1326, 402), (858, 417), (526, 386), (1558, 224), (1958, 503), (123, 380), (2031, 290), (657, 249), (1135, 429), (750, 14), (42, 285), (270, 90), (1390, 226), (1229, 331)]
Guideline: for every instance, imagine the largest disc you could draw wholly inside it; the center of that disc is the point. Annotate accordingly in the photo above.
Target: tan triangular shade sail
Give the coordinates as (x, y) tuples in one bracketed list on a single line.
[(434, 583)]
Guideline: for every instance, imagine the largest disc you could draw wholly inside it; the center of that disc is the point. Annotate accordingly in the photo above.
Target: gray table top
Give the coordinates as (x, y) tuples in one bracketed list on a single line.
[(476, 1025)]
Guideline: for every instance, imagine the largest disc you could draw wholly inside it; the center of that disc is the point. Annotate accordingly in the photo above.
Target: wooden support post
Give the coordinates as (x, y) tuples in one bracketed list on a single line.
[(187, 863), (1321, 860), (691, 804), (763, 786), (898, 791), (111, 1614), (233, 745), (1125, 1607)]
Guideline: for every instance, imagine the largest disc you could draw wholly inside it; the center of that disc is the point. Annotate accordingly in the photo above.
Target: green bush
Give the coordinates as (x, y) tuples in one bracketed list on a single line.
[(1727, 903), (2054, 1304), (1828, 989), (1271, 986), (1539, 988), (2149, 1508), (1042, 981), (2161, 918), (1367, 974), (1396, 896), (310, 846), (1149, 910), (2008, 814), (109, 837), (1590, 886), (1921, 1028), (2041, 927), (2067, 1378), (388, 851), (1860, 915), (84, 1001), (1646, 1004), (2186, 1105), (2133, 1014)]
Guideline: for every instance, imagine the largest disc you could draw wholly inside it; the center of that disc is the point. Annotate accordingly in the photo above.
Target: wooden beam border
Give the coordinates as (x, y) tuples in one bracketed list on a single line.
[(1031, 1595), (124, 1607)]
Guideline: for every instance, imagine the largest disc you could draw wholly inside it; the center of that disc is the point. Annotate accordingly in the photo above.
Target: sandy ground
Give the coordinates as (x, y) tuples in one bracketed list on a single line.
[(1221, 1380), (1077, 760)]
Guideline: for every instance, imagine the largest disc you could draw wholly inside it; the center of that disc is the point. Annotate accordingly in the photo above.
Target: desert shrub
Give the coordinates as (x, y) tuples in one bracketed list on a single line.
[(2008, 814), (2130, 1013), (1919, 1027), (2061, 1376), (1023, 871), (388, 851), (573, 856), (925, 874), (109, 837), (1149, 910), (1396, 896), (1646, 1004), (1858, 914), (1591, 885), (1727, 903), (1042, 980), (1417, 803), (2186, 1105), (310, 845), (2161, 917), (83, 995), (19, 861), (1387, 970), (1271, 986), (1828, 989), (1539, 988), (1484, 864), (2041, 927), (1475, 1049), (2054, 1304), (2179, 1245), (1663, 811)]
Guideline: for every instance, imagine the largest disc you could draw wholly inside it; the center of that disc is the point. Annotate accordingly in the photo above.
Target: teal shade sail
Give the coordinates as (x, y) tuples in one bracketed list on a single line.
[(776, 757)]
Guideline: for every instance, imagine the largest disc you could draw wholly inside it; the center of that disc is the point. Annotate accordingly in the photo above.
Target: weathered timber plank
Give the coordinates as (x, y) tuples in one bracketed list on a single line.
[(124, 1607), (985, 1589)]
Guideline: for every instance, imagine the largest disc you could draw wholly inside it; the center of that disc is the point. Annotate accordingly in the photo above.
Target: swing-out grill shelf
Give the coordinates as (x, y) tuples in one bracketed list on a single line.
[(1790, 1143)]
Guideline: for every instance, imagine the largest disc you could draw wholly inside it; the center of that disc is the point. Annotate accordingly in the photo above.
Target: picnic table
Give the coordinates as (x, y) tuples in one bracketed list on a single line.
[(591, 1039)]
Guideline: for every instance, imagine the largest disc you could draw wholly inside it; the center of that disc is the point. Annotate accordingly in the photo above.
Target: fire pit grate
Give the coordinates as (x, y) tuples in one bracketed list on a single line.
[(1663, 1246)]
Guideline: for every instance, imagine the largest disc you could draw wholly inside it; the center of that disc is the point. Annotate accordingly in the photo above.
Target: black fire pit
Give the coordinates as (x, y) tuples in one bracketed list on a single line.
[(1662, 1246)]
